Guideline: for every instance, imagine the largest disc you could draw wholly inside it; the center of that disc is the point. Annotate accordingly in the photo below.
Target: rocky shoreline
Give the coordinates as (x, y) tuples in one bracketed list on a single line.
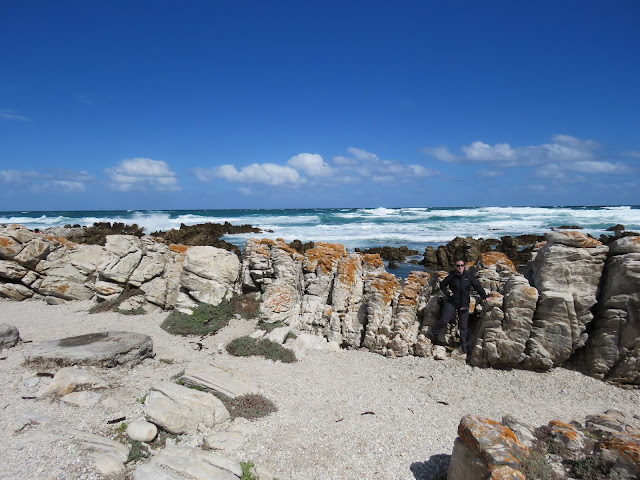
[(575, 303)]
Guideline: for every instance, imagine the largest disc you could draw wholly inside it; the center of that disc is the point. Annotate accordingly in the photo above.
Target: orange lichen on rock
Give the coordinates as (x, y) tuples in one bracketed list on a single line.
[(324, 255), (505, 472), (581, 239), (627, 446), (373, 260), (181, 249), (347, 269), (387, 285), (491, 441), (564, 429), (498, 259), (279, 299), (413, 288)]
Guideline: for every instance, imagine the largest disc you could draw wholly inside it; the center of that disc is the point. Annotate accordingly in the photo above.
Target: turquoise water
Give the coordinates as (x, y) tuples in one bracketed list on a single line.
[(358, 227)]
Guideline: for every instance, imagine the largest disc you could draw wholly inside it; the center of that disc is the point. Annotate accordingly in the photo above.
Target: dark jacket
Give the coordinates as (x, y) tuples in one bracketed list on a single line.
[(460, 285)]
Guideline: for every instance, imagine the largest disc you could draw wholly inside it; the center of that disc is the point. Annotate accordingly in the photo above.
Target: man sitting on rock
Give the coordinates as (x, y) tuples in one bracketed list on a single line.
[(459, 282)]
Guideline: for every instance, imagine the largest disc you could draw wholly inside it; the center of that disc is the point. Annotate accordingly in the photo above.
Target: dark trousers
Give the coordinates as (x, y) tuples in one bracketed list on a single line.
[(448, 312)]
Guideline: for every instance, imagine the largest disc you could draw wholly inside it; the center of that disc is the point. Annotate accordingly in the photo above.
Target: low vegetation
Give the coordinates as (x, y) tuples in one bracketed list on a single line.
[(209, 319), (247, 347), (249, 406), (586, 464)]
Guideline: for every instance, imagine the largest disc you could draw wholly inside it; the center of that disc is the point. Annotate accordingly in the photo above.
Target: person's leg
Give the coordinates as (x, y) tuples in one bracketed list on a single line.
[(448, 312), (463, 323)]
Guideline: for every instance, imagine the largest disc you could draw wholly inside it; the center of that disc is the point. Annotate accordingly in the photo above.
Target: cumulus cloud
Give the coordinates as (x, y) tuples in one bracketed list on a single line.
[(57, 180), (264, 173), (142, 174), (364, 164), (310, 163), (563, 154)]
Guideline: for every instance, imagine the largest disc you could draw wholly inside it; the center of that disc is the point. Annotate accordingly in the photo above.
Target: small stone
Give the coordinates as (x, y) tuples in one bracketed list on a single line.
[(141, 431)]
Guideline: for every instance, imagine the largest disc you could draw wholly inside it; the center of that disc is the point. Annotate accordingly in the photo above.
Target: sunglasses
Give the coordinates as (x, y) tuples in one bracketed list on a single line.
[(459, 264)]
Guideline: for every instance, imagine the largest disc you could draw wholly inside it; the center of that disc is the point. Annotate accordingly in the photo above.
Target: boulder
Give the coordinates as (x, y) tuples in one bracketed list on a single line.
[(141, 431), (107, 349), (179, 463), (69, 379), (381, 292), (179, 409), (408, 316), (505, 325), (122, 255), (219, 379), (15, 291), (9, 336), (209, 274), (483, 446), (566, 272), (613, 349), (12, 271)]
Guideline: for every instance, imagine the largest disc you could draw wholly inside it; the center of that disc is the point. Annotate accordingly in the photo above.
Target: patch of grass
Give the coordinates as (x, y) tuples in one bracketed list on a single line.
[(121, 428), (207, 319), (247, 347), (535, 466), (246, 471), (269, 327), (177, 377), (249, 406), (291, 335), (138, 451), (136, 311), (144, 398)]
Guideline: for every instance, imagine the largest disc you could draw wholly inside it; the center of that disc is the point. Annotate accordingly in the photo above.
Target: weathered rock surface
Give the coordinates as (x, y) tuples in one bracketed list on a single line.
[(107, 349), (219, 379), (141, 431), (566, 272), (9, 335), (188, 463), (482, 446), (179, 409), (69, 379), (613, 349)]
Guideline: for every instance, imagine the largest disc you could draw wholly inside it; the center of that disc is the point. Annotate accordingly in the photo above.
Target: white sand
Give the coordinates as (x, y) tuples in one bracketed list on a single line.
[(320, 430)]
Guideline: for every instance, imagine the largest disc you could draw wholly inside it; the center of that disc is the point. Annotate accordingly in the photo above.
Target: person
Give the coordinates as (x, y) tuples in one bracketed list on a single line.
[(456, 287)]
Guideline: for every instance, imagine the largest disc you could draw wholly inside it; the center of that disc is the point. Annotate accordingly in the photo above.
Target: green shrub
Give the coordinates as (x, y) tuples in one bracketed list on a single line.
[(207, 319), (247, 347), (536, 467), (249, 406), (246, 471), (269, 327), (589, 468), (138, 450)]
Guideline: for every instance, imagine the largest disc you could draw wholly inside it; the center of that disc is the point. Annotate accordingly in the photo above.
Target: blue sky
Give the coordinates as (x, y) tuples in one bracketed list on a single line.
[(218, 104)]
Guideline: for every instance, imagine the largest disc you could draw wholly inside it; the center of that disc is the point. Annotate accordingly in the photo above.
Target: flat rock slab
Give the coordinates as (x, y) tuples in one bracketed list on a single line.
[(106, 349), (219, 379)]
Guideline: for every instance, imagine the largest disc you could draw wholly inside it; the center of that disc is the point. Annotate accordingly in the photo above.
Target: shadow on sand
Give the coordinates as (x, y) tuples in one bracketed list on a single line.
[(433, 469)]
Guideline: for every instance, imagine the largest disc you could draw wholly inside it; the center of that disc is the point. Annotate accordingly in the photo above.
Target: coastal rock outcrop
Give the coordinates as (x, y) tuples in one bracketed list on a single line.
[(566, 272), (613, 349)]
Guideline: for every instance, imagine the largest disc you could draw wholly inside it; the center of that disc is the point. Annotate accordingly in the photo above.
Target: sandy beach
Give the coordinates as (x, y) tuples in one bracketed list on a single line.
[(341, 415)]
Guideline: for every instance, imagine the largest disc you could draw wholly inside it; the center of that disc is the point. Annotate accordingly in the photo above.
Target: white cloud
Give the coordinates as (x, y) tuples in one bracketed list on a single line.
[(536, 188), (142, 174), (441, 153), (56, 180), (8, 115), (310, 163), (362, 155), (341, 161), (553, 160), (365, 164), (265, 173)]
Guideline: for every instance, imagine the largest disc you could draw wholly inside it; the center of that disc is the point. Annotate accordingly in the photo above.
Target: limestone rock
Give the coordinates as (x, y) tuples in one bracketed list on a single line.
[(505, 325), (439, 352), (483, 446), (15, 291), (278, 335), (82, 399), (123, 254), (209, 274), (348, 315), (179, 409), (381, 296), (106, 349), (12, 270), (194, 463), (218, 379), (109, 455), (406, 321), (9, 335), (141, 431), (613, 349), (224, 440), (567, 279), (69, 379)]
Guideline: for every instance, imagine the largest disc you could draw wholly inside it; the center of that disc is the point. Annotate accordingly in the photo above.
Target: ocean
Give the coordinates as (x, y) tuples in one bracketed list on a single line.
[(358, 227)]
